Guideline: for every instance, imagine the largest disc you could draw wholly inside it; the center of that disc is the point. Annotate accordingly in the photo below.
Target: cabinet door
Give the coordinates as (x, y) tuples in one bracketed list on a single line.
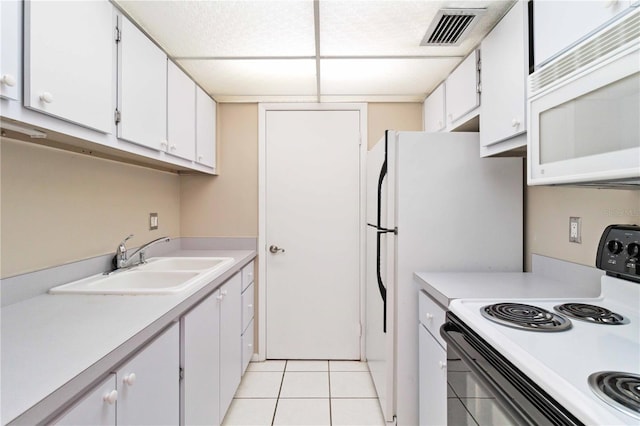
[(247, 346), (433, 380), (230, 341), (11, 41), (559, 24), (148, 384), (181, 113), (247, 307), (69, 61), (98, 407), (462, 88), (201, 363), (205, 129), (142, 88), (504, 77), (434, 120)]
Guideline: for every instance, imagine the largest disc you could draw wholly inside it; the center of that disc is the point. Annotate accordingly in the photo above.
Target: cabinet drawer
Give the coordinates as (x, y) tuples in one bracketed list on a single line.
[(432, 316), (247, 307), (247, 346), (247, 275)]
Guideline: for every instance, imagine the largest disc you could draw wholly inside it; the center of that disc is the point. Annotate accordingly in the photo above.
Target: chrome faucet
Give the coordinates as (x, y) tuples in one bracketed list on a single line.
[(121, 260)]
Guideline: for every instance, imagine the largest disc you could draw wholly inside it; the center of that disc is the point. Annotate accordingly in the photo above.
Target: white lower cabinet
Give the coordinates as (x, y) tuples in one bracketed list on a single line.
[(97, 408), (148, 384), (433, 380), (201, 363), (230, 340), (432, 363), (143, 390)]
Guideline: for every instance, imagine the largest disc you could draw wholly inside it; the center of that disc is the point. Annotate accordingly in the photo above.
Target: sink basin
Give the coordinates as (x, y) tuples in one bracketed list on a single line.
[(184, 263), (130, 282), (160, 275)]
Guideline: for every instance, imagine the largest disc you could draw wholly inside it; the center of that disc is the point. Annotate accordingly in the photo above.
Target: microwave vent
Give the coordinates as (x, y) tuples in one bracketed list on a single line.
[(450, 27), (618, 37)]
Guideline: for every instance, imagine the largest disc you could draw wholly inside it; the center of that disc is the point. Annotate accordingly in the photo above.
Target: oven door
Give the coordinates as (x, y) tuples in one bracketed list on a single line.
[(489, 387)]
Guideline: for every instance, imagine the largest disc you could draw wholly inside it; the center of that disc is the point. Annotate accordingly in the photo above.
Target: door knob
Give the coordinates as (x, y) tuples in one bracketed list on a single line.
[(275, 249)]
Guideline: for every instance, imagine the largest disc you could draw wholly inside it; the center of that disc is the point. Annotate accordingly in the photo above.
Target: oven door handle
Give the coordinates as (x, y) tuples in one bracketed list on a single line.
[(451, 334)]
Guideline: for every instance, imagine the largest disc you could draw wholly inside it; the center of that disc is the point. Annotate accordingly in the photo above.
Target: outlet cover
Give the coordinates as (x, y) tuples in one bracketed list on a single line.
[(153, 221), (575, 230)]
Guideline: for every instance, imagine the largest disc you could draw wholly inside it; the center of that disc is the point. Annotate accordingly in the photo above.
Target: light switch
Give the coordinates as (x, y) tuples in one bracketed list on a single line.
[(153, 221)]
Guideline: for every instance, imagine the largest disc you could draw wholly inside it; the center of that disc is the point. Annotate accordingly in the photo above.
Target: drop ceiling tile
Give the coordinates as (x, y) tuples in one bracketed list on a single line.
[(249, 78), (382, 27), (227, 28), (383, 77)]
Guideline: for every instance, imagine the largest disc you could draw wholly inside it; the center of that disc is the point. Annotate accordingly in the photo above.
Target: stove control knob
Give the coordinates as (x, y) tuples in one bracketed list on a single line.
[(633, 250), (615, 246)]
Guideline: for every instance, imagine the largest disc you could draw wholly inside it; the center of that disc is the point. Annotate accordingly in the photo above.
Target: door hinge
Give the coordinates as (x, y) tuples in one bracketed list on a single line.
[(360, 139), (360, 330), (118, 35), (117, 117), (479, 88), (181, 373), (479, 65)]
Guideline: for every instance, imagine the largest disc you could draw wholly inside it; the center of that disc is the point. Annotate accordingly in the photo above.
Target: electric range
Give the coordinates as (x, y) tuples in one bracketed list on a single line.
[(547, 372)]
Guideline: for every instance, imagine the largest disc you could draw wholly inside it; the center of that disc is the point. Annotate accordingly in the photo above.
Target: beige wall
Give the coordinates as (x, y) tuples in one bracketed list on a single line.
[(394, 116), (547, 215), (59, 207), (226, 205)]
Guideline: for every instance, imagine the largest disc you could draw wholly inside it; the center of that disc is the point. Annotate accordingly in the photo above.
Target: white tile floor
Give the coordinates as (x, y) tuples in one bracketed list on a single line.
[(330, 393)]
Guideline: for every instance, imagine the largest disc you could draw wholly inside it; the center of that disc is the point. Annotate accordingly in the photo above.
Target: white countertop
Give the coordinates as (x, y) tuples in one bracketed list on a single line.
[(55, 346), (447, 286)]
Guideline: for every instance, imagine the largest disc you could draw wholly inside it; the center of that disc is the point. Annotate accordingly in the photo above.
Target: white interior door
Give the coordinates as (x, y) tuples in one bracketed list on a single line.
[(312, 213)]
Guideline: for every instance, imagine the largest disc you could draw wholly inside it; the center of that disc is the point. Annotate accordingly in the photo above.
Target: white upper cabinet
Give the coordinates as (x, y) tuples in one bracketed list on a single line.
[(559, 24), (68, 61), (142, 88), (181, 113), (462, 95), (205, 129), (11, 42), (505, 57), (434, 119)]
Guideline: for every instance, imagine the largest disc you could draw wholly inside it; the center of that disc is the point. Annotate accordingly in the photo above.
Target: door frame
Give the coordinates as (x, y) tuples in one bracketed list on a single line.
[(263, 108)]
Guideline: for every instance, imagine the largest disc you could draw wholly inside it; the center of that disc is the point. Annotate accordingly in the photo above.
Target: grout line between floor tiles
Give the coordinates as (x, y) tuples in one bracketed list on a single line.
[(329, 377), (275, 410)]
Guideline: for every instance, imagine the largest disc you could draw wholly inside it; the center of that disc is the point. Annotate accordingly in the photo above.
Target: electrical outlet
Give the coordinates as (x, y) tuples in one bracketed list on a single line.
[(153, 221), (575, 230)]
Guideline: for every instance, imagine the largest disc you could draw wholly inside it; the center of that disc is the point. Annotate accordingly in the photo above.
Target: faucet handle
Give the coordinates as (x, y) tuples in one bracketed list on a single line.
[(121, 246)]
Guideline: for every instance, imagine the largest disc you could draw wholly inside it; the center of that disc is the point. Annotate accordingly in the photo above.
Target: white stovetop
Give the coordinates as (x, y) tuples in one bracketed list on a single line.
[(561, 362)]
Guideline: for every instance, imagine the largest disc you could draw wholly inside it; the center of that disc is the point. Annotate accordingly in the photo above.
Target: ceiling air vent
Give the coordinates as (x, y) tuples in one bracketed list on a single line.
[(450, 26)]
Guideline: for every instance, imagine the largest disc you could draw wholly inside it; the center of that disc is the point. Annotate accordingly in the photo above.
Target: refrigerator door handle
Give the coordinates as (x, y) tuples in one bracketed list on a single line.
[(381, 287)]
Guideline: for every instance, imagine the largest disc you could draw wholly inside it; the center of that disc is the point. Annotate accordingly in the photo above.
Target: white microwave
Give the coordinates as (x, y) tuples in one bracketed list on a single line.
[(584, 111)]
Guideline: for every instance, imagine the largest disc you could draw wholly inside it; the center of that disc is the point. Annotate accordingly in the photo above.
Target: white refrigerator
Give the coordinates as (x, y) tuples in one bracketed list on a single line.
[(432, 205)]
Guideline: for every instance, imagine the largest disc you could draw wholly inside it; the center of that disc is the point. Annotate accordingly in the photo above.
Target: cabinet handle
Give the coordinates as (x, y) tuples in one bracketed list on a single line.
[(172, 147), (450, 117), (250, 305), (46, 97), (8, 80), (200, 157), (440, 123), (515, 122), (429, 316), (129, 379), (110, 397), (163, 144), (442, 365), (611, 4), (220, 297), (250, 345), (223, 292)]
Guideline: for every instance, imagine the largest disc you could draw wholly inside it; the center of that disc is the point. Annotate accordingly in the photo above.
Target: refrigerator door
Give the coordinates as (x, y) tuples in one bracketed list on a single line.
[(380, 247)]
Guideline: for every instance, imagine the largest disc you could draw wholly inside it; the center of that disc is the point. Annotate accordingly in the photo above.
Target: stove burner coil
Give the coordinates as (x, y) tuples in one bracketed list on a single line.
[(618, 389), (591, 313), (525, 317)]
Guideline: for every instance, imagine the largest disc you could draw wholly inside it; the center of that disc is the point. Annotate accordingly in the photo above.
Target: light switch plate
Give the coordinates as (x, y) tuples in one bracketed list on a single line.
[(575, 230), (153, 221)]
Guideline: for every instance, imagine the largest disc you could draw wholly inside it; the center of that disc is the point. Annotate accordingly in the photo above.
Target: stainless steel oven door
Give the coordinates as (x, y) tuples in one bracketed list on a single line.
[(488, 390)]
